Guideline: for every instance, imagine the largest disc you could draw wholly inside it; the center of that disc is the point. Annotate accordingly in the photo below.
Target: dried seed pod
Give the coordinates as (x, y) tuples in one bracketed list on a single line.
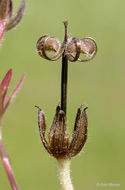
[(87, 46), (59, 144), (88, 49), (71, 44), (72, 48), (50, 44)]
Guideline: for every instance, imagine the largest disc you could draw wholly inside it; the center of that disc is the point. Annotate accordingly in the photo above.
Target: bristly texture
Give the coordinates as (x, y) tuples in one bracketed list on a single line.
[(59, 144), (64, 174), (7, 19)]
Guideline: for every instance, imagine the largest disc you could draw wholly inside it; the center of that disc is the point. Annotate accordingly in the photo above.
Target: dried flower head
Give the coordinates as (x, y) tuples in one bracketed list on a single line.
[(59, 144)]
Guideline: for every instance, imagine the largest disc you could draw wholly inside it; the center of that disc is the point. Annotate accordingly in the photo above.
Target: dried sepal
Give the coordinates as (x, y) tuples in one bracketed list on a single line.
[(50, 44), (14, 20), (59, 144), (42, 128), (79, 136)]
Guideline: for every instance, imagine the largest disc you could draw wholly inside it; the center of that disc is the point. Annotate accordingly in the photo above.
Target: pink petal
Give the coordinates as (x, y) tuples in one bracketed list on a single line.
[(3, 89), (14, 92), (4, 86), (1, 31), (5, 82), (4, 101)]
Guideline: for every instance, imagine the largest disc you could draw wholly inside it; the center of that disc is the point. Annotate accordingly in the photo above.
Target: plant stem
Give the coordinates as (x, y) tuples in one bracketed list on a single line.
[(64, 174), (64, 82), (64, 74), (7, 164)]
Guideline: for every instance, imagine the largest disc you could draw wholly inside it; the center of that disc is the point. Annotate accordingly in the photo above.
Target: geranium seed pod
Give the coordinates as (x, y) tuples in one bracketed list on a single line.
[(88, 46), (71, 45), (52, 44)]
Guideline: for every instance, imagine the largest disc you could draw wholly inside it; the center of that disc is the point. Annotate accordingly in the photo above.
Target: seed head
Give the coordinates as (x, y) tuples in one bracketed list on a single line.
[(72, 46)]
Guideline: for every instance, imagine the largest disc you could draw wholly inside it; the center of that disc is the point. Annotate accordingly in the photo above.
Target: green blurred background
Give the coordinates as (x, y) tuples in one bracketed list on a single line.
[(99, 84)]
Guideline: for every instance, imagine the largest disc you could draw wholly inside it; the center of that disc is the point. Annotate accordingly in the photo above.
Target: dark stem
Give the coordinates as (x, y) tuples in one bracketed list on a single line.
[(64, 76), (64, 83)]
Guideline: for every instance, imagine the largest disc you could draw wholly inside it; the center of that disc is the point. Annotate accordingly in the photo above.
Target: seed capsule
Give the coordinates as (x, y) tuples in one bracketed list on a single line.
[(50, 44), (87, 46)]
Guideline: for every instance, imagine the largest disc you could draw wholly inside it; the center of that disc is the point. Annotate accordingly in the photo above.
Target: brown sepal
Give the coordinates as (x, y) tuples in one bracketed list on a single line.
[(79, 136), (59, 144)]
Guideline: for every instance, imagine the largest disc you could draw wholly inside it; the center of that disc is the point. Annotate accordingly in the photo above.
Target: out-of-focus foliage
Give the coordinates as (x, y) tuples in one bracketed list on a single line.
[(99, 84)]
